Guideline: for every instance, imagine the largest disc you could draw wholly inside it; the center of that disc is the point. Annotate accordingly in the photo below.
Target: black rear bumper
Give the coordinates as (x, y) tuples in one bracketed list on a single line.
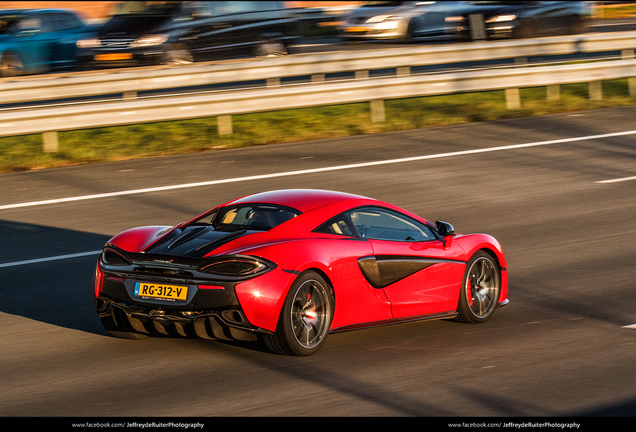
[(221, 324)]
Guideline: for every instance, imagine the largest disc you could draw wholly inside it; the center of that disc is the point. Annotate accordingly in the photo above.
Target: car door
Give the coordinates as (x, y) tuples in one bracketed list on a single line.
[(66, 30), (215, 30), (30, 38), (418, 271)]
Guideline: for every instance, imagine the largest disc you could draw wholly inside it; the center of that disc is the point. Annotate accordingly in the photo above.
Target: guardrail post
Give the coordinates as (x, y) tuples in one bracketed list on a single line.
[(49, 142), (596, 90), (130, 95), (273, 82), (224, 124), (403, 71), (377, 111), (477, 27), (318, 78), (631, 82), (362, 74), (513, 99), (554, 92)]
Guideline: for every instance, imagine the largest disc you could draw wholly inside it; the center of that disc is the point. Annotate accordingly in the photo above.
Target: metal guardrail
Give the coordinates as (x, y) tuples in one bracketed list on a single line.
[(288, 97), (128, 82), (224, 104)]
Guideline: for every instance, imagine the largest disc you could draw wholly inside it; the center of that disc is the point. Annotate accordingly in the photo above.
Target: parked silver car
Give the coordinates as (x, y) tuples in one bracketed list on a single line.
[(400, 21)]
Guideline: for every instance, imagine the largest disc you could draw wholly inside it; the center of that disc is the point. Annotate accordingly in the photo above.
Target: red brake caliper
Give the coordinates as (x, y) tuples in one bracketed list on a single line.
[(312, 313)]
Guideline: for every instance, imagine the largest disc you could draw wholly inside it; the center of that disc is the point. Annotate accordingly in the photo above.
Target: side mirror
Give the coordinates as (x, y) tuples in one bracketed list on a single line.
[(445, 229)]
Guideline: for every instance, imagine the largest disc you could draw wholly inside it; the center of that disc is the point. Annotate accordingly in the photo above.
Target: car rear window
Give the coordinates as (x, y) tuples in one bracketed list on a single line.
[(250, 216)]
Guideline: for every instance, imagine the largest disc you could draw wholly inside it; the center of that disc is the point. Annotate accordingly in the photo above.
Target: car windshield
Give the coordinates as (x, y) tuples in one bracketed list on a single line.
[(148, 7), (250, 216)]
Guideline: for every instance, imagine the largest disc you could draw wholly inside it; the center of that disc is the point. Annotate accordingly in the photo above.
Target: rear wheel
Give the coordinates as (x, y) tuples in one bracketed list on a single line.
[(480, 289), (305, 319), (526, 29), (407, 37)]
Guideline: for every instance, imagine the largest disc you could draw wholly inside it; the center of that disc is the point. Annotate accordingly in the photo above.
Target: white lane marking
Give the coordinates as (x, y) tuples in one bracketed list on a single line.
[(54, 258), (617, 180), (314, 170), (632, 326)]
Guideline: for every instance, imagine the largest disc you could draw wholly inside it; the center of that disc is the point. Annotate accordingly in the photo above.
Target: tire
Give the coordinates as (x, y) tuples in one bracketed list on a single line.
[(177, 55), (577, 26), (305, 319), (479, 293), (526, 29), (10, 65), (407, 37), (270, 48)]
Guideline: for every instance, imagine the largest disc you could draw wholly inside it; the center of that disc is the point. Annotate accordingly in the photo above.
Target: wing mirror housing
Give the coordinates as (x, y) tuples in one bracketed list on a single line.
[(445, 229)]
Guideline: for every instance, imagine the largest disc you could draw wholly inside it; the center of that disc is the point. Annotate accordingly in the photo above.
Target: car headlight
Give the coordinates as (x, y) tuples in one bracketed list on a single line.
[(149, 40), (382, 18), (501, 18), (88, 43), (454, 19)]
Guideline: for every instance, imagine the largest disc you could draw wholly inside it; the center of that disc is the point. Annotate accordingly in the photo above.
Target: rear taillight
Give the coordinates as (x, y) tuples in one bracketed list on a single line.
[(235, 267), (112, 257), (98, 280)]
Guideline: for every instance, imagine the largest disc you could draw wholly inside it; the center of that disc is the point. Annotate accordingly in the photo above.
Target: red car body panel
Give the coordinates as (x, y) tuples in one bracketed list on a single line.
[(138, 239), (295, 247)]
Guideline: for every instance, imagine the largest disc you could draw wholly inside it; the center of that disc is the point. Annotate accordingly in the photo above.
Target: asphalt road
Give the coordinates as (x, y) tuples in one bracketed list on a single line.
[(560, 348)]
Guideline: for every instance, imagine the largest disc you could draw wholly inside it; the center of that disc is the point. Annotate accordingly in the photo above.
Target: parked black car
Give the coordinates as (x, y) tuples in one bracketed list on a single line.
[(518, 19), (171, 32)]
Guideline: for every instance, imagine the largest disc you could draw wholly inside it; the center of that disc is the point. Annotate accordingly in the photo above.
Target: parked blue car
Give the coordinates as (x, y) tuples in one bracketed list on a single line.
[(39, 40)]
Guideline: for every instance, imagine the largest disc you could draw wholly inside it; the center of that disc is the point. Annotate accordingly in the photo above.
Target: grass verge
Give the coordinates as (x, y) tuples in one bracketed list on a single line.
[(187, 136)]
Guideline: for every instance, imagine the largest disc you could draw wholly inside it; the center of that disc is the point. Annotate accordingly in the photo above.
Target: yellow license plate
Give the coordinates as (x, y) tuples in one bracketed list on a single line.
[(111, 57), (160, 291), (357, 29)]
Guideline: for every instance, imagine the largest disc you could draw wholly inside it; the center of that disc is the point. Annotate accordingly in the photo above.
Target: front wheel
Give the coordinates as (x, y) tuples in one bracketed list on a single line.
[(10, 65), (305, 319), (177, 55), (480, 289), (270, 48)]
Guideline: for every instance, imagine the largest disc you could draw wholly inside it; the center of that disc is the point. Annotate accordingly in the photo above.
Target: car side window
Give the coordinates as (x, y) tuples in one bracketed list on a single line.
[(339, 226), (229, 7), (30, 24), (45, 23), (383, 224), (200, 9), (66, 21)]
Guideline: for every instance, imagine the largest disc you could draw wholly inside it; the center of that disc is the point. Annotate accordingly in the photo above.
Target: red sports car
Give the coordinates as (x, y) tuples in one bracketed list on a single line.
[(291, 266)]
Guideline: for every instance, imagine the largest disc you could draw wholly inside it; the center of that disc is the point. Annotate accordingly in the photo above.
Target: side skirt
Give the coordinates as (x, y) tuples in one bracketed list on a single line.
[(443, 315)]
